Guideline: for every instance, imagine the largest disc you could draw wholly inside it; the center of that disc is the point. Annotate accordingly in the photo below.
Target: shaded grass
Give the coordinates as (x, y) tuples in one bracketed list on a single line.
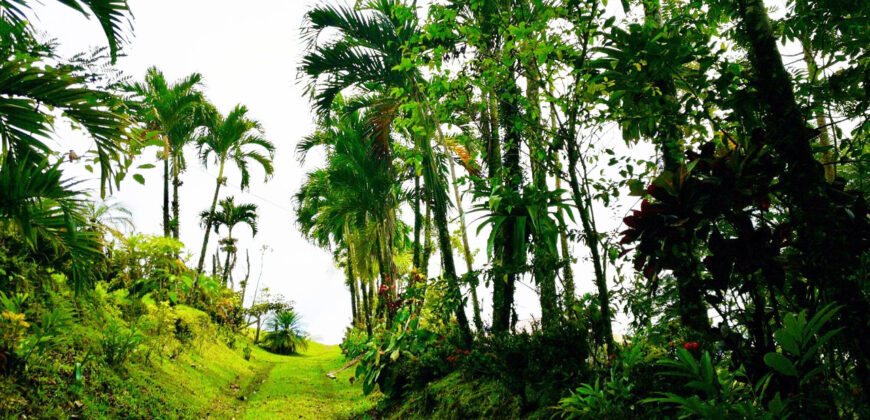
[(457, 397)]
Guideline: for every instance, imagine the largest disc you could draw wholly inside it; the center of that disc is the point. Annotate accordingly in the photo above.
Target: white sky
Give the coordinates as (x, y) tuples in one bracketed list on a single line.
[(248, 53)]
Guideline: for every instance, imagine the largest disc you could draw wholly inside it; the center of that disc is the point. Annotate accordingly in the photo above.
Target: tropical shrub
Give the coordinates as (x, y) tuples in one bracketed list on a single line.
[(285, 333)]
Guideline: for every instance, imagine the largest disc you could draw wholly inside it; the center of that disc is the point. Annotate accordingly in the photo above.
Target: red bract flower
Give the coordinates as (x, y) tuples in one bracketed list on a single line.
[(690, 345), (612, 356), (644, 206), (467, 352), (764, 203)]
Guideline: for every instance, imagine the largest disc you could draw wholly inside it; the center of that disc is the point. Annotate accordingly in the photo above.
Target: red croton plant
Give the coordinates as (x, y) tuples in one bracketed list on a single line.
[(719, 226)]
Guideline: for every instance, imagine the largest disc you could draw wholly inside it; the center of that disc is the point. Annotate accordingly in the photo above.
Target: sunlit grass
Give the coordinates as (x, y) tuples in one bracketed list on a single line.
[(297, 387)]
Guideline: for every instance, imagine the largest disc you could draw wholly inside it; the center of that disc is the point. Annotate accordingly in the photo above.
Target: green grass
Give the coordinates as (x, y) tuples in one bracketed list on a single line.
[(297, 387), (211, 379)]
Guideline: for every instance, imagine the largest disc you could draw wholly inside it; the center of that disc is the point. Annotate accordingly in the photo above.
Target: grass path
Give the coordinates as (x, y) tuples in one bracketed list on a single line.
[(296, 387)]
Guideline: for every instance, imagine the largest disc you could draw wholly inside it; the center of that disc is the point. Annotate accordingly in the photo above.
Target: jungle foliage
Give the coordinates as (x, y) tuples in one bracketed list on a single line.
[(729, 138)]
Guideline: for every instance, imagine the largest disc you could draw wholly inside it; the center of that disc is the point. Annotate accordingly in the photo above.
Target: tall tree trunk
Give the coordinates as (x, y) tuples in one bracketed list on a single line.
[(166, 225), (821, 229), (208, 224), (545, 234), (508, 259), (428, 245), (568, 287), (380, 309), (434, 181), (366, 300), (351, 283), (244, 283), (226, 274), (472, 284), (590, 236), (215, 263), (176, 221), (821, 122), (351, 278), (418, 225)]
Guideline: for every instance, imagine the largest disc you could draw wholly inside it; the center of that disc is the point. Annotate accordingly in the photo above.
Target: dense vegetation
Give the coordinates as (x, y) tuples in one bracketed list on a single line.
[(700, 166), (95, 320), (738, 140)]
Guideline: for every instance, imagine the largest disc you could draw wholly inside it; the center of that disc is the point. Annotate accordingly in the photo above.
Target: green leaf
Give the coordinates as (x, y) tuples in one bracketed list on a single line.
[(139, 178), (636, 187), (780, 363)]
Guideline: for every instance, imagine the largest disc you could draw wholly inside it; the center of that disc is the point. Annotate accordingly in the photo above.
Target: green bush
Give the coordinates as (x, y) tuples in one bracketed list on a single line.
[(119, 342), (285, 335)]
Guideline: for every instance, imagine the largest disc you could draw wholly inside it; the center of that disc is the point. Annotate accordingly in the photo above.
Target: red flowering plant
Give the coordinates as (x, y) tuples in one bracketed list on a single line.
[(690, 345), (700, 223)]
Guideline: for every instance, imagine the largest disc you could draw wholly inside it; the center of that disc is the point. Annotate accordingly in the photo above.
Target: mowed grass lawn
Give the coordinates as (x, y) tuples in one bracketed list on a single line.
[(297, 387)]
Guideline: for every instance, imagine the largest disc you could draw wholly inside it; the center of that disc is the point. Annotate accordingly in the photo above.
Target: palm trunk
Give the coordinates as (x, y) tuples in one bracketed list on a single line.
[(244, 282), (434, 184), (440, 213), (175, 206), (226, 273), (215, 263), (351, 279), (418, 225), (351, 283), (379, 306), (428, 246), (366, 300), (208, 224), (166, 224)]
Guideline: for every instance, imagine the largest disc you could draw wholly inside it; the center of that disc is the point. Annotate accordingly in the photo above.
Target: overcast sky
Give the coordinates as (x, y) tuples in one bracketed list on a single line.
[(248, 53)]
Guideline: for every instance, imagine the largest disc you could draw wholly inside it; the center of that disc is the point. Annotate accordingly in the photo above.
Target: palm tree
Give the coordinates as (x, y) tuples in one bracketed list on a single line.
[(172, 112), (236, 139), (229, 215), (36, 200), (109, 217), (355, 194), (48, 211), (286, 335), (113, 16), (367, 56)]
